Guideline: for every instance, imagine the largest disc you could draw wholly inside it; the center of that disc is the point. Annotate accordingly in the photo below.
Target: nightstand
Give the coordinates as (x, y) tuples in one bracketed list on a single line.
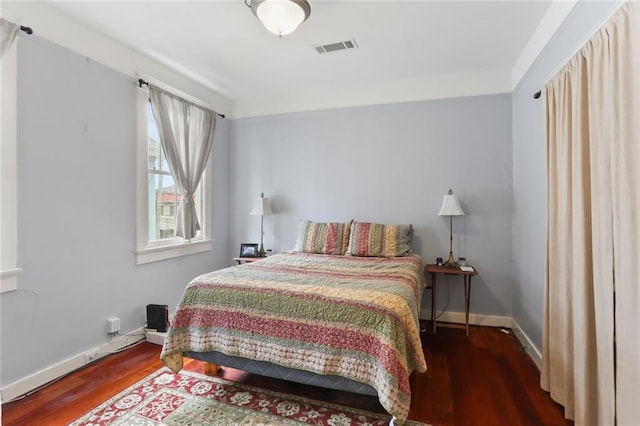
[(434, 270), (242, 260)]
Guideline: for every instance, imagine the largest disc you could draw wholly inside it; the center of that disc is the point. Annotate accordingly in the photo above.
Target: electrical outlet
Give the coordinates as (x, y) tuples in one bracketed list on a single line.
[(113, 325)]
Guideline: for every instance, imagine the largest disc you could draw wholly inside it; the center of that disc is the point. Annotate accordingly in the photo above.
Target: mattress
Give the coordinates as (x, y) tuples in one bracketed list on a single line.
[(343, 316)]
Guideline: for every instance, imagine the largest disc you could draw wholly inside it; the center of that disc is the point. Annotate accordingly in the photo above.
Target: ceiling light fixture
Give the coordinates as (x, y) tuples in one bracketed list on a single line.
[(281, 17)]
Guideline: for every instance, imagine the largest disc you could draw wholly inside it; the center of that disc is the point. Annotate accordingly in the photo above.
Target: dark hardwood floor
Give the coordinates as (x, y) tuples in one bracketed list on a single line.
[(483, 379)]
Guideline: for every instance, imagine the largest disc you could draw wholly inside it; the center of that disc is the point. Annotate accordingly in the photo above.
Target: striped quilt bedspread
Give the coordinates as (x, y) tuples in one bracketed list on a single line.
[(355, 317)]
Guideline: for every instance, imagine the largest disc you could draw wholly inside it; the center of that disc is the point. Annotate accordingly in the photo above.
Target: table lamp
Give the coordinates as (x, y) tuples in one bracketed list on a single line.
[(263, 208), (450, 207)]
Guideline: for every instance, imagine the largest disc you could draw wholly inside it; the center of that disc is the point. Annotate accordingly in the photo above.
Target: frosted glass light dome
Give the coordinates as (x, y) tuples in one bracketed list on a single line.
[(281, 17)]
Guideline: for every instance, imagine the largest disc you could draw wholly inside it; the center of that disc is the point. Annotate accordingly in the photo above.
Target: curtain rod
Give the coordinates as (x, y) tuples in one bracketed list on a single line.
[(27, 30), (141, 83), (537, 94)]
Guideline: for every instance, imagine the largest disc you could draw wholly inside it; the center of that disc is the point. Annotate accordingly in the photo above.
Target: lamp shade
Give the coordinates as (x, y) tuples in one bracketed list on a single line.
[(450, 206), (281, 17), (263, 207)]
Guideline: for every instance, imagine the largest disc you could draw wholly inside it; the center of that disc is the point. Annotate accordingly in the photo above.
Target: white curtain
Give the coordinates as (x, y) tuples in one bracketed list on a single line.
[(186, 133), (591, 333), (8, 33)]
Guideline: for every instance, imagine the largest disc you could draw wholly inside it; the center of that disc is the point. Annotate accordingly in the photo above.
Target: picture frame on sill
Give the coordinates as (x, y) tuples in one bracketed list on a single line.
[(248, 250)]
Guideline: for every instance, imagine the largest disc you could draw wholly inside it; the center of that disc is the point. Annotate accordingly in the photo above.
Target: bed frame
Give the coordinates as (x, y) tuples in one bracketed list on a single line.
[(262, 368)]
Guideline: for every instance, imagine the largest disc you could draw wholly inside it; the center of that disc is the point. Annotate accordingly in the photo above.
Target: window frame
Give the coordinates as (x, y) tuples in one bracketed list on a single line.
[(9, 269), (147, 250)]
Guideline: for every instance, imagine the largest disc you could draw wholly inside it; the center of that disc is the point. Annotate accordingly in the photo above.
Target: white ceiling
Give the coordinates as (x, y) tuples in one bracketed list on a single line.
[(402, 44)]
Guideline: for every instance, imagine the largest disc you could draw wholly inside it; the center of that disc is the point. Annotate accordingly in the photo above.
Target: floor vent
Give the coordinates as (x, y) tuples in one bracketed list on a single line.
[(334, 47)]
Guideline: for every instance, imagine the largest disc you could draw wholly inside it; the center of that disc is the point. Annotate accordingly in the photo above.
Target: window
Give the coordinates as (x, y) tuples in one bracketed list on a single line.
[(163, 197), (158, 198)]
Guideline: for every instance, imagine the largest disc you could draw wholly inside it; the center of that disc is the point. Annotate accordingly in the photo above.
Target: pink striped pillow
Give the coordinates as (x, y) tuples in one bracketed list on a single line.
[(322, 237), (378, 240)]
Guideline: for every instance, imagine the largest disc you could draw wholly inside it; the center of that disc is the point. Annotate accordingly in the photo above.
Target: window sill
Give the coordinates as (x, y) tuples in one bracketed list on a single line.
[(154, 254), (9, 280)]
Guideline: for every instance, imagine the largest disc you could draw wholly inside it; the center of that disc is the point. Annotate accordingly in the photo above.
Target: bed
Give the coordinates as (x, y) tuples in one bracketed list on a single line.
[(334, 320)]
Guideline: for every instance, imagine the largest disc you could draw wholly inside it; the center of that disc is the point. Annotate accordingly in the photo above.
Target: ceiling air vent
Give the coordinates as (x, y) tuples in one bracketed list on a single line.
[(334, 47)]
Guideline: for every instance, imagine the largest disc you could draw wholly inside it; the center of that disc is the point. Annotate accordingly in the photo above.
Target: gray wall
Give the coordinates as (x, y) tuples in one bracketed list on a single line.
[(389, 164), (529, 216), (76, 213)]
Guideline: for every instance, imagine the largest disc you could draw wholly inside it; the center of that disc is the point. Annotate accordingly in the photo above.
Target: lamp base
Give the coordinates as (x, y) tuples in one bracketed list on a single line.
[(261, 252), (451, 261)]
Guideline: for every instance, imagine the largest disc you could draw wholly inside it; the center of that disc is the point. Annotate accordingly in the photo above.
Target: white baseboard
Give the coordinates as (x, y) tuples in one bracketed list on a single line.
[(155, 337), (527, 344), (474, 319), (55, 371), (492, 321)]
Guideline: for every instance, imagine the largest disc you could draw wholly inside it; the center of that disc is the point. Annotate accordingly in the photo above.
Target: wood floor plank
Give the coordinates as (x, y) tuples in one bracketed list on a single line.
[(437, 390), (505, 401), (525, 408), (482, 379)]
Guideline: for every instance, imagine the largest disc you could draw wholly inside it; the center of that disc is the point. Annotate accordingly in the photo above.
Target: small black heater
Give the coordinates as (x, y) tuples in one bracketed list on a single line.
[(158, 317)]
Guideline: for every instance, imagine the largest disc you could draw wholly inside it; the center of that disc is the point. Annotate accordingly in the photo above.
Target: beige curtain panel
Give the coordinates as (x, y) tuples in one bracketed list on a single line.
[(591, 350)]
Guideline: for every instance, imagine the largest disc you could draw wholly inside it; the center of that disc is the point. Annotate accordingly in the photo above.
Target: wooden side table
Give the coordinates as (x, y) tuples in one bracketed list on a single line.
[(242, 260), (433, 270)]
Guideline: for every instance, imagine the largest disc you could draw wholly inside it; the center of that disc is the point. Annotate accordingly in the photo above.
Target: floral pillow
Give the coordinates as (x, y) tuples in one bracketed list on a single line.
[(322, 237), (379, 240)]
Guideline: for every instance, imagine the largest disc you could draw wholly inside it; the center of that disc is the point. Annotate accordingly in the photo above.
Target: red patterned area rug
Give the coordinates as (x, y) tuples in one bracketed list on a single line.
[(187, 398)]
